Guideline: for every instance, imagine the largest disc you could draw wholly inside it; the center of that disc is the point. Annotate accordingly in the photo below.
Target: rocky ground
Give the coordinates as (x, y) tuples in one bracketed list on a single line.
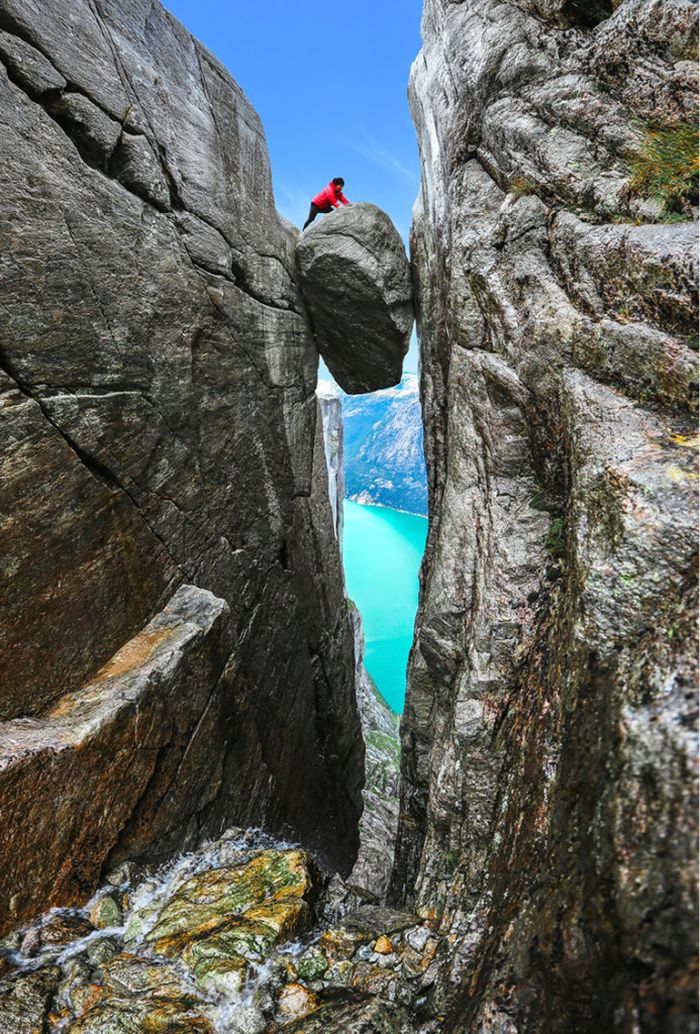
[(243, 936)]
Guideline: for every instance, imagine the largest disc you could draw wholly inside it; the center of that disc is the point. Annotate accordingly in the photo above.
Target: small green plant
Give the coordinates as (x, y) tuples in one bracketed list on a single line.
[(675, 217), (667, 167), (521, 186), (538, 501), (554, 543)]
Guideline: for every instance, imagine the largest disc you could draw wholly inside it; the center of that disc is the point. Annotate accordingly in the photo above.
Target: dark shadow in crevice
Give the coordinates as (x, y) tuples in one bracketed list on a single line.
[(588, 13)]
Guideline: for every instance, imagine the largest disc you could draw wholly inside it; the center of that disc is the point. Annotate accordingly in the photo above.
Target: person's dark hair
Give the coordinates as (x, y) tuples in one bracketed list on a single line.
[(338, 181)]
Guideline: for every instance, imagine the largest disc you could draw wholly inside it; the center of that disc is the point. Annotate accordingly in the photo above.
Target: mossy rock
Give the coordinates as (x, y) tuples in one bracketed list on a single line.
[(312, 965), (142, 996), (105, 913), (225, 976), (210, 898)]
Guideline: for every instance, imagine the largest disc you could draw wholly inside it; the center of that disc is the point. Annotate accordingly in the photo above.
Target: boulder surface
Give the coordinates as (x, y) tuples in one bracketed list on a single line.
[(356, 281)]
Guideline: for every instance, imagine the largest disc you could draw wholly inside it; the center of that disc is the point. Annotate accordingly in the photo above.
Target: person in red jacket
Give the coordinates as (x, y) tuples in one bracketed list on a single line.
[(328, 199)]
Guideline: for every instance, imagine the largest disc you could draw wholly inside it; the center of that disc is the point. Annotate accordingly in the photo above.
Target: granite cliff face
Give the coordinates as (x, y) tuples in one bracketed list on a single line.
[(548, 809), (159, 427)]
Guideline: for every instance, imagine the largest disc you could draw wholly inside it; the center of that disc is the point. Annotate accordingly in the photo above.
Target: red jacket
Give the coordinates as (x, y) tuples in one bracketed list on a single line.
[(330, 197)]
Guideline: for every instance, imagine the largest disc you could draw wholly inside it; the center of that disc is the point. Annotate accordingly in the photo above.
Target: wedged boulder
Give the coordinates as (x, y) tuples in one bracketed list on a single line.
[(356, 280)]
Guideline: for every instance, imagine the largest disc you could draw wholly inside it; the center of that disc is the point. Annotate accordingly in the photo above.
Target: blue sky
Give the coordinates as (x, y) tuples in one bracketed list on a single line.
[(329, 83)]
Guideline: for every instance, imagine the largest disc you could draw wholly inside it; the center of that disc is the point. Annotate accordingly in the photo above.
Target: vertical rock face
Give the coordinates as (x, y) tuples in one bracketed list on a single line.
[(548, 812), (331, 410), (372, 870), (157, 407)]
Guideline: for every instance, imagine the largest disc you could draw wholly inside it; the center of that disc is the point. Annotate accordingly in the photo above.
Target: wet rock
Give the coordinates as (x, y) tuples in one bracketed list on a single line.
[(353, 1017), (375, 920), (246, 1019), (26, 1001), (262, 889), (123, 874), (371, 979), (342, 944), (418, 938), (383, 945), (140, 994), (30, 943), (312, 965), (356, 282), (106, 912), (222, 920), (339, 974), (295, 1001), (101, 950)]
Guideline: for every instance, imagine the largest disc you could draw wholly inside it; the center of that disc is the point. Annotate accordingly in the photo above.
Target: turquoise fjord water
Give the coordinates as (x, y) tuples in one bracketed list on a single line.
[(382, 551)]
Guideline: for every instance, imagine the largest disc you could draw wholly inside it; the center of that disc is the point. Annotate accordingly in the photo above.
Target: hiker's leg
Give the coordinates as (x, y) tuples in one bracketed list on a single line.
[(313, 212)]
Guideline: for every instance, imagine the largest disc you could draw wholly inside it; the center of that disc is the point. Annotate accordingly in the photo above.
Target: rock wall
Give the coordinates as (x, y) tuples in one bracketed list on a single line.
[(331, 410), (159, 418), (380, 726), (548, 806)]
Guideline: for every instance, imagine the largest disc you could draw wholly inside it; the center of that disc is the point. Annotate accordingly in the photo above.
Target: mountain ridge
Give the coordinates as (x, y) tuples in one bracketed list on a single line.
[(383, 436)]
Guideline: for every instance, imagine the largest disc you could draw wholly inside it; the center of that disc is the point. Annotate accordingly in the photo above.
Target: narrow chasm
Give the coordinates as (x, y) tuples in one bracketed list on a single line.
[(365, 703)]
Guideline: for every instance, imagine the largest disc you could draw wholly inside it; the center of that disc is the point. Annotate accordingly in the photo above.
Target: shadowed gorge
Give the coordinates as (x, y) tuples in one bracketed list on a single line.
[(207, 822)]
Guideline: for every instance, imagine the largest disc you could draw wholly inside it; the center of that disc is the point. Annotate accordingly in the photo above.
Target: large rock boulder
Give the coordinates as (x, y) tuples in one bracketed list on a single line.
[(356, 280), (130, 759)]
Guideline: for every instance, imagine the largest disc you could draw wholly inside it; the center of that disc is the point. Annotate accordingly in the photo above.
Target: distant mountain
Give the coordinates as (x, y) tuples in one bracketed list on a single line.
[(383, 443)]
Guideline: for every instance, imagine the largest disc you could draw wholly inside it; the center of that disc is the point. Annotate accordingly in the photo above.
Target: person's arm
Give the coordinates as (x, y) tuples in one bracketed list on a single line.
[(343, 199)]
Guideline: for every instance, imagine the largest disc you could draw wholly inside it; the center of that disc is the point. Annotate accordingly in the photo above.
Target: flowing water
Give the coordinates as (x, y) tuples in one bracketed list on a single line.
[(147, 895), (243, 935), (382, 551)]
